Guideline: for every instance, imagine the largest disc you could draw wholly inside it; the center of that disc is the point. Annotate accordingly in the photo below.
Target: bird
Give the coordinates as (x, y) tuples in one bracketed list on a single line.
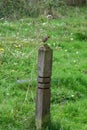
[(45, 39)]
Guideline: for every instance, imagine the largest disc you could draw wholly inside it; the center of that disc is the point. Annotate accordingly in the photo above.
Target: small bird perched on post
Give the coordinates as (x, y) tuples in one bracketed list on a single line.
[(45, 38)]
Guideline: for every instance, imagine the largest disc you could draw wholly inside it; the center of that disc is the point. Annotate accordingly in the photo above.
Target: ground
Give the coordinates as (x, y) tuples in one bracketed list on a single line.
[(19, 43)]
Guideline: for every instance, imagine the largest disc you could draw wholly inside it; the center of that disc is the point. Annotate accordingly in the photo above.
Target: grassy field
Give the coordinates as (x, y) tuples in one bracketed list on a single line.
[(19, 43)]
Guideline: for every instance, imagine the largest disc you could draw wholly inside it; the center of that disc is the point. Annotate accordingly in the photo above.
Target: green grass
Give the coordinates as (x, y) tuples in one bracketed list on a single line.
[(19, 43)]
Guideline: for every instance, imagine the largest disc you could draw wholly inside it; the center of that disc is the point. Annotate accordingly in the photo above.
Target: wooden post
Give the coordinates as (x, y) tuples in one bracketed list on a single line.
[(43, 89)]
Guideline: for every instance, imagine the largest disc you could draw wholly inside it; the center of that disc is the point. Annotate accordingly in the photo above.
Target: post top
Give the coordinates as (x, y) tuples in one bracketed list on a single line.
[(45, 47)]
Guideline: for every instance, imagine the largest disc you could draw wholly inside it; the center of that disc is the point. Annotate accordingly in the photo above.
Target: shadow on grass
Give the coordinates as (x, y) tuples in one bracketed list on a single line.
[(56, 126), (53, 125)]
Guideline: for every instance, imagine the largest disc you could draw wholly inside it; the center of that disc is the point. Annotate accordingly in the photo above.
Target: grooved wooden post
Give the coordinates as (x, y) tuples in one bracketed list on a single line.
[(43, 89)]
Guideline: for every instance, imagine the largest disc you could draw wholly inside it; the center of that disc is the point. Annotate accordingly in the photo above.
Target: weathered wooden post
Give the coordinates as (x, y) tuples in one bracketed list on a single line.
[(43, 89)]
